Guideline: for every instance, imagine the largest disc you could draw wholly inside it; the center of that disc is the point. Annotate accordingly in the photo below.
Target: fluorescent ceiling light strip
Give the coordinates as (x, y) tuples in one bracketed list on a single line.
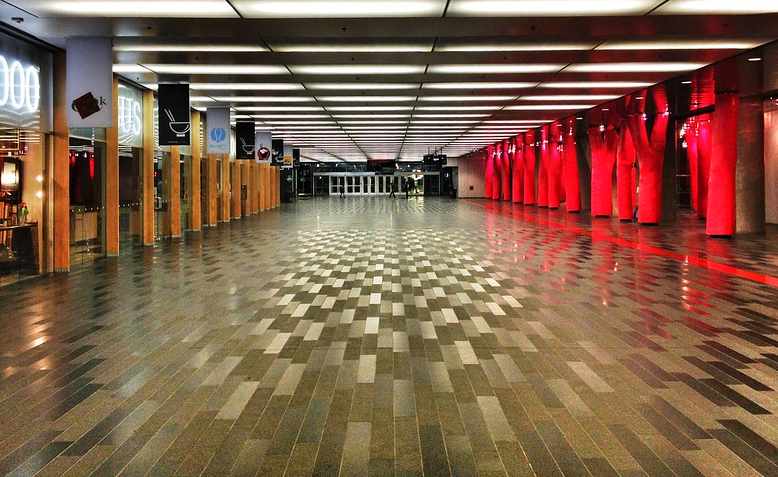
[(634, 67), (720, 7), (263, 99), (368, 108), (367, 123), (565, 8), (369, 116), (289, 116), (137, 8), (458, 108), (357, 69), (194, 48), (480, 85), (246, 86), (217, 69), (339, 8), (596, 84), (445, 121), (310, 123), (541, 107), (469, 115), (362, 86), (126, 68), (515, 47), (517, 121), (570, 97), (278, 108), (354, 48), (494, 68), (467, 98), (356, 99), (681, 44)]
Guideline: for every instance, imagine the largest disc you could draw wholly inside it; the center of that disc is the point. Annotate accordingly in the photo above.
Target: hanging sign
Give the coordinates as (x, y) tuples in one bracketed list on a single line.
[(218, 120), (130, 117), (89, 84), (244, 139), (277, 154), (288, 156), (174, 115), (263, 145)]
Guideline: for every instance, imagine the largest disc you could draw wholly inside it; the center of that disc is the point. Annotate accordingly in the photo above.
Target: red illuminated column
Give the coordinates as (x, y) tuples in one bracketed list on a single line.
[(529, 167), (704, 149), (690, 143), (651, 153), (625, 164), (497, 184), (489, 172), (543, 168), (554, 168), (721, 182), (570, 154), (506, 171), (518, 169), (603, 145)]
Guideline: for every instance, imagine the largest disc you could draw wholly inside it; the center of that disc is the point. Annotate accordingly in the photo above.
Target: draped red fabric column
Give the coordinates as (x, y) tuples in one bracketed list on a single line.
[(704, 149), (602, 141), (570, 154), (518, 169), (554, 167), (690, 140), (543, 168), (721, 182), (529, 167), (625, 175), (506, 171), (651, 154), (489, 175)]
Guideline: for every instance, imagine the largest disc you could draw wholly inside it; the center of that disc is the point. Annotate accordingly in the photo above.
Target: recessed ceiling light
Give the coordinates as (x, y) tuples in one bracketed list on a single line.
[(480, 85), (354, 48), (368, 108), (596, 84), (244, 86), (200, 99), (495, 68), (445, 121), (566, 8), (357, 99), (289, 116), (357, 69), (686, 82), (541, 107), (458, 108), (194, 48), (755, 58), (467, 98), (469, 115), (569, 97), (632, 67), (680, 44), (138, 8), (263, 99), (517, 121), (723, 7), (218, 69), (338, 8), (516, 47)]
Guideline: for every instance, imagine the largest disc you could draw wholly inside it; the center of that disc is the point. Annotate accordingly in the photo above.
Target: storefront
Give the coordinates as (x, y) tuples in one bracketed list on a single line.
[(25, 165)]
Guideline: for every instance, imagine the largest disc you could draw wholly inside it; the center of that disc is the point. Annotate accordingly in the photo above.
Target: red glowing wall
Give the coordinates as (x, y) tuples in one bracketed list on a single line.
[(529, 167), (603, 140), (554, 166), (517, 161), (721, 181), (626, 175), (543, 169), (570, 160)]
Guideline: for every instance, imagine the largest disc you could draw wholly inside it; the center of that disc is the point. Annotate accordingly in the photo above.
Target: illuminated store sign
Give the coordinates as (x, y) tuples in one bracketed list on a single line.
[(20, 86), (130, 117)]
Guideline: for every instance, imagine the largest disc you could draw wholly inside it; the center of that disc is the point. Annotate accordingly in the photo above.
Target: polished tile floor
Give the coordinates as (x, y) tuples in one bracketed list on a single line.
[(389, 337)]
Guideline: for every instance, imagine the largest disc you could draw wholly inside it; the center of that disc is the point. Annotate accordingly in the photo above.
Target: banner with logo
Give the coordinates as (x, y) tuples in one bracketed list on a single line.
[(175, 121), (278, 151), (218, 122), (89, 82), (130, 116), (288, 156), (263, 144), (244, 139)]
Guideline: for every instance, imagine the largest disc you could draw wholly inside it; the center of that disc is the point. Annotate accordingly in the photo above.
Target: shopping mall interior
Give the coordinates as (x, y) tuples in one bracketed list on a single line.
[(389, 237)]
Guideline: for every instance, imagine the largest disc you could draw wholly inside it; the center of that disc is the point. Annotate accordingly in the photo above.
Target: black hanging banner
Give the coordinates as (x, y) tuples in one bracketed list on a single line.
[(174, 118), (245, 138), (278, 151)]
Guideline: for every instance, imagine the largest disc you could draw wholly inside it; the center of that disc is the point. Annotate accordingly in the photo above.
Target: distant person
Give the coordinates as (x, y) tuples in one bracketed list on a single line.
[(392, 189), (407, 188), (342, 190)]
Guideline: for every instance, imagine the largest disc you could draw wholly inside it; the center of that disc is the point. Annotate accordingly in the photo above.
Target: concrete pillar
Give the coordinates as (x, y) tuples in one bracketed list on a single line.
[(750, 168)]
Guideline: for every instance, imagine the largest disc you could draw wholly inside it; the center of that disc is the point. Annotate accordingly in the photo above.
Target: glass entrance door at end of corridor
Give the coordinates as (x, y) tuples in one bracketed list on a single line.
[(87, 191)]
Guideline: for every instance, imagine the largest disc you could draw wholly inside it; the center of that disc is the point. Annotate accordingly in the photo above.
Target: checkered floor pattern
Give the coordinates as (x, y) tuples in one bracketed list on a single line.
[(377, 336)]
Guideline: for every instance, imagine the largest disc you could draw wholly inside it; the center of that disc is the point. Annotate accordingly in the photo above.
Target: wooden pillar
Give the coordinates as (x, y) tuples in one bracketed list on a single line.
[(111, 195), (263, 188), (61, 169), (147, 169), (235, 189), (253, 188), (195, 206), (210, 213), (276, 186), (226, 184), (174, 192)]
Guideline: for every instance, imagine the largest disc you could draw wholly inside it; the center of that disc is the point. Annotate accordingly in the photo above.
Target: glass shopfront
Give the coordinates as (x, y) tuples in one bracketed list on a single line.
[(130, 109), (25, 165), (87, 189)]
